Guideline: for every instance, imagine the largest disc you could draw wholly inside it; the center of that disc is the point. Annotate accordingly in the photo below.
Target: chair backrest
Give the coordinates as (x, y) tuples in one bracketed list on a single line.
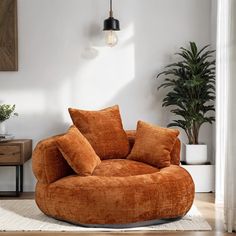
[(49, 164)]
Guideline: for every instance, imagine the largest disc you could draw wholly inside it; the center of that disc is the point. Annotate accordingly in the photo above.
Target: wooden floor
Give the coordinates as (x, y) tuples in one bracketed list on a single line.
[(203, 201)]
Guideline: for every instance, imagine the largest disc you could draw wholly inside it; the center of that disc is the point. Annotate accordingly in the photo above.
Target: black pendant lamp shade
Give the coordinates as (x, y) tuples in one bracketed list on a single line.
[(111, 23)]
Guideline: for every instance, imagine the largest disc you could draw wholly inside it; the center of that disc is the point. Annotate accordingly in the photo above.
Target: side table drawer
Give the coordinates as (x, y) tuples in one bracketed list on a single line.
[(10, 154)]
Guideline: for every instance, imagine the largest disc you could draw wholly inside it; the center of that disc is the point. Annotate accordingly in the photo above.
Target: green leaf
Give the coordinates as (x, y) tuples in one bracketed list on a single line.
[(6, 111)]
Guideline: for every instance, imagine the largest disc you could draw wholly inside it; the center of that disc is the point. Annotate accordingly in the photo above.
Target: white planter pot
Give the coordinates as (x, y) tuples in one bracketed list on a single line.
[(3, 127), (196, 154)]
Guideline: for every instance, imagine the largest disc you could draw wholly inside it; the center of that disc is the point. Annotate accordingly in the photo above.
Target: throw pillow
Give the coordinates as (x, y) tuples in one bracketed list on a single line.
[(104, 130), (78, 152), (153, 144)]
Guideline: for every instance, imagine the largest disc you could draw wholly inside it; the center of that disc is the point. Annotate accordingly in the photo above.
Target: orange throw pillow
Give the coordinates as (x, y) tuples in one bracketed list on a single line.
[(104, 130), (78, 152), (153, 144)]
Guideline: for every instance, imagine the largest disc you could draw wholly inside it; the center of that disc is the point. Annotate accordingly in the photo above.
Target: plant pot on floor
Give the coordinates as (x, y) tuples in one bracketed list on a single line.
[(196, 154)]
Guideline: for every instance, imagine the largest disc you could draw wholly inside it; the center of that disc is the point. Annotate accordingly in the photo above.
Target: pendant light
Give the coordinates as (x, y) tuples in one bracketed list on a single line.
[(111, 25)]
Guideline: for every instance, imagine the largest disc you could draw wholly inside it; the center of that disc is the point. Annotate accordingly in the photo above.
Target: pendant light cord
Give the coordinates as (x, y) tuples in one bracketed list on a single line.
[(111, 12)]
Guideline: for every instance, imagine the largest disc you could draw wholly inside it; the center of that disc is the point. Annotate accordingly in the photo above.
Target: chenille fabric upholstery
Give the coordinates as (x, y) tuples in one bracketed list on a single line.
[(131, 135), (122, 168), (119, 191), (174, 155), (153, 144), (104, 130), (78, 152), (48, 163)]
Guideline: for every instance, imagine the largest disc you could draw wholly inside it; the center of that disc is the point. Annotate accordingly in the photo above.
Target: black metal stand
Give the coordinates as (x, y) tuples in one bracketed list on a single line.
[(19, 182)]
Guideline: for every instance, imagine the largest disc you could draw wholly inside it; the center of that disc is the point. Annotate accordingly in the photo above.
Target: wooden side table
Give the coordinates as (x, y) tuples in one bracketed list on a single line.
[(15, 153)]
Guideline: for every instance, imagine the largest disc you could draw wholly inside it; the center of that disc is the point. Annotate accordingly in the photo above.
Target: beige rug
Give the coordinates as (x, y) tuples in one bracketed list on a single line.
[(24, 215)]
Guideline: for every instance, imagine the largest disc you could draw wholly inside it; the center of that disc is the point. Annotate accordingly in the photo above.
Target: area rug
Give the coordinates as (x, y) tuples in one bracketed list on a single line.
[(24, 215)]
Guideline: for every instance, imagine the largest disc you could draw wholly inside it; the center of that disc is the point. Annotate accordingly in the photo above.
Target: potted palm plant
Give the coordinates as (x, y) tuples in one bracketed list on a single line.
[(192, 83)]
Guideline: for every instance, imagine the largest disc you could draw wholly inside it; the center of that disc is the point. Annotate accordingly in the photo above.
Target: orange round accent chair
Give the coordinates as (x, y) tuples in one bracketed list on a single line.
[(119, 191)]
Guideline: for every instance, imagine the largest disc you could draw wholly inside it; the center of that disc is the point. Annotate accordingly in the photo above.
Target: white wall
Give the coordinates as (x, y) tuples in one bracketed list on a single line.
[(63, 63)]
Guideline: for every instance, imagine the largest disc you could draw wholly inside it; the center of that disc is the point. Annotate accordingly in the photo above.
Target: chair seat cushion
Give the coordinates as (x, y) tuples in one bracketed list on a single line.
[(164, 194), (122, 168)]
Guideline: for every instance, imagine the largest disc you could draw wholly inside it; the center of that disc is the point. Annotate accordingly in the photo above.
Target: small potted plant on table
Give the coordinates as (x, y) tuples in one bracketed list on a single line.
[(192, 83), (6, 111)]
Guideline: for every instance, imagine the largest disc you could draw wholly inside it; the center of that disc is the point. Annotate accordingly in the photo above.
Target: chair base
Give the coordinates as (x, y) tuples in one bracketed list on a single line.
[(130, 225)]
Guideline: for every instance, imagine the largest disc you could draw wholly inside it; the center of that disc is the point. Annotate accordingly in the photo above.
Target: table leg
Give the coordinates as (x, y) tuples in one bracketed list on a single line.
[(21, 177), (17, 179)]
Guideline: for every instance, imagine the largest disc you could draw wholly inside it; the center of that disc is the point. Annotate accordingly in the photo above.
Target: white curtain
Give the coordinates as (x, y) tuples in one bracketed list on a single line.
[(226, 111)]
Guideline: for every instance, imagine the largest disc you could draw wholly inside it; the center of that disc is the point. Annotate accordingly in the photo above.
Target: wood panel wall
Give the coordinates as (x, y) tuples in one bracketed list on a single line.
[(8, 35)]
